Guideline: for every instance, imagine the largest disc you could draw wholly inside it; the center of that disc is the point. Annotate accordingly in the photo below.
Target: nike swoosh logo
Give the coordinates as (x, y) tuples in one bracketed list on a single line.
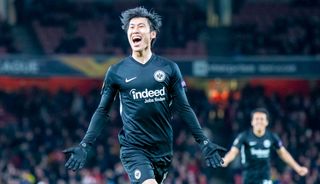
[(131, 79)]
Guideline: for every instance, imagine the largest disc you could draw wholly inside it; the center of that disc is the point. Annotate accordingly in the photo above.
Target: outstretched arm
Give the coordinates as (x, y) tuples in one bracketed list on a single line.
[(230, 156), (100, 116), (209, 149), (182, 106), (79, 154), (98, 120), (287, 158)]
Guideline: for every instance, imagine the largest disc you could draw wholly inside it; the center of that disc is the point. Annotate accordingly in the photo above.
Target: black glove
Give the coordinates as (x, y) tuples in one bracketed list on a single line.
[(211, 155), (79, 155)]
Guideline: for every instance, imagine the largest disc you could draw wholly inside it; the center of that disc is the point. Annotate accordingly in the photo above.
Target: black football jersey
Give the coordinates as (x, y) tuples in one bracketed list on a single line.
[(256, 152), (147, 93)]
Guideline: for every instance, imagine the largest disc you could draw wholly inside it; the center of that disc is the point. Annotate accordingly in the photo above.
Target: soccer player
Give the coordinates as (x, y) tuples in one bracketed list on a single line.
[(255, 145), (149, 88)]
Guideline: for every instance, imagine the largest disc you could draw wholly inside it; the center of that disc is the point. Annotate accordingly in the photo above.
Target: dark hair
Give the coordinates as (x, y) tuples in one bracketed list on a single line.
[(153, 18), (261, 110)]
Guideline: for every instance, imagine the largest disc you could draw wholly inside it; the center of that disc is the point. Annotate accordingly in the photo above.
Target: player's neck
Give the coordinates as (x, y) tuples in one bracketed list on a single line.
[(259, 133), (142, 56)]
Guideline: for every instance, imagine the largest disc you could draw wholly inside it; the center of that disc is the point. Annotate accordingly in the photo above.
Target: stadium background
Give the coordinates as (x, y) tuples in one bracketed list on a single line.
[(235, 55)]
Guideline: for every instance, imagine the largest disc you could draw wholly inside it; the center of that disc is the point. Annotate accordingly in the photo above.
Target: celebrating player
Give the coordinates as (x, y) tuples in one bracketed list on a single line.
[(149, 88), (255, 145)]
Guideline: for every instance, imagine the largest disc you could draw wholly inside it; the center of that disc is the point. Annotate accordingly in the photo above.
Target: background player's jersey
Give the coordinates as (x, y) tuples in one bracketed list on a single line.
[(256, 152), (146, 93)]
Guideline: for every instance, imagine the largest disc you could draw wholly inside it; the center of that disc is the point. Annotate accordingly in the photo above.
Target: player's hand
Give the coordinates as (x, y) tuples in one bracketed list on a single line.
[(79, 155), (211, 154), (224, 164), (302, 171)]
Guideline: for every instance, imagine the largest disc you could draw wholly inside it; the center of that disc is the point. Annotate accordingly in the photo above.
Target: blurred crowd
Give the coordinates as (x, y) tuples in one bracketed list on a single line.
[(36, 125), (277, 29), (94, 27), (284, 27)]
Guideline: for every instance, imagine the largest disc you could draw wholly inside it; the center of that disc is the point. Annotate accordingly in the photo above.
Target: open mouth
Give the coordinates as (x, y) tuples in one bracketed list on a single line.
[(136, 40)]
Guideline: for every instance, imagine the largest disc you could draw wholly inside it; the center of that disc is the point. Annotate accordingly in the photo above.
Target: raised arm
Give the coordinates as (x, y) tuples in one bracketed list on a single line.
[(287, 158)]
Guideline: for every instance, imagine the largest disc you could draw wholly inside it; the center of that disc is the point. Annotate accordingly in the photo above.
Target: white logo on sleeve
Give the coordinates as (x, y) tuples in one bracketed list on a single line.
[(183, 84), (236, 141), (205, 142), (129, 80), (137, 174), (159, 75)]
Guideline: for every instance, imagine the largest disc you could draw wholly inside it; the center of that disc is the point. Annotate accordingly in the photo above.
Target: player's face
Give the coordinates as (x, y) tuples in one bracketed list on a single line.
[(139, 34), (259, 121)]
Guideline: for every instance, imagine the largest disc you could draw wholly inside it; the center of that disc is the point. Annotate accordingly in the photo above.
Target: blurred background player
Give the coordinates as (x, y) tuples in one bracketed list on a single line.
[(256, 145)]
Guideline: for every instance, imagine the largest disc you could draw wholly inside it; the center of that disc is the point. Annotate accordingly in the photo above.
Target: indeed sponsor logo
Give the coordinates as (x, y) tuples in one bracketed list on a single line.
[(147, 93)]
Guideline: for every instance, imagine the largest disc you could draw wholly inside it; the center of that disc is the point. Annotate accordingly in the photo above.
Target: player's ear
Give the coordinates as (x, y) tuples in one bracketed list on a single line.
[(153, 34)]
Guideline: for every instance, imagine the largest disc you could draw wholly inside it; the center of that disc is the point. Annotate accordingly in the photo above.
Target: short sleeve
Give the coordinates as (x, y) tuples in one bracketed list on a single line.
[(277, 143), (239, 141)]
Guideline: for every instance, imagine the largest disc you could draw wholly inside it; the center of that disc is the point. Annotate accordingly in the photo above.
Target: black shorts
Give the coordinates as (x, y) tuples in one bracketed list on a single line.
[(256, 177), (140, 167), (247, 180)]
